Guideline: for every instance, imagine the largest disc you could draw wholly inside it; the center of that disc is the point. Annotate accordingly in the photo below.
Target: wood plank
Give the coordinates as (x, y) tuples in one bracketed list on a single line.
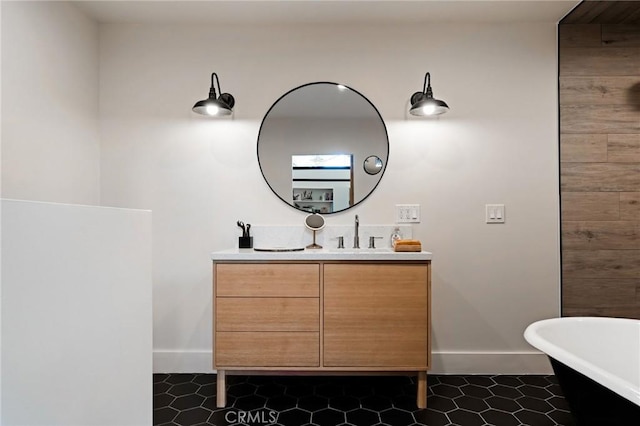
[(579, 35), (267, 280), (604, 12), (618, 119), (376, 315), (588, 235), (267, 349), (630, 206), (597, 10), (582, 148), (632, 312), (590, 206), (600, 177), (621, 34), (586, 12), (598, 293), (599, 61), (604, 90), (576, 15), (267, 314), (618, 11), (632, 18), (601, 264), (623, 148)]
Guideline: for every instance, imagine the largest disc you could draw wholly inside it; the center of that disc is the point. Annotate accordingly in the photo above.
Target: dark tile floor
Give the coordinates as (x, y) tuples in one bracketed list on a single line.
[(189, 399)]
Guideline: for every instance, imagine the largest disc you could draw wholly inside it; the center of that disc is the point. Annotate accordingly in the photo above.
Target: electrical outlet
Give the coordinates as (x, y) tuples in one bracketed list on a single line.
[(407, 213), (494, 213)]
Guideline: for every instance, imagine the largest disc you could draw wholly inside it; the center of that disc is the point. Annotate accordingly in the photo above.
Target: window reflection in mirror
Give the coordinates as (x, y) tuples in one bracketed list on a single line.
[(322, 183)]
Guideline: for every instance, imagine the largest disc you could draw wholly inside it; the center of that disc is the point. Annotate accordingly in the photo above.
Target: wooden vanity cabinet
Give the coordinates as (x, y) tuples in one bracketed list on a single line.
[(321, 317)]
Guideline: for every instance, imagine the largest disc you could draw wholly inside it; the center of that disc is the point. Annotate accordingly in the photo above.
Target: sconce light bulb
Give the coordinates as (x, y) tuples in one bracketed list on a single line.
[(429, 109), (212, 109)]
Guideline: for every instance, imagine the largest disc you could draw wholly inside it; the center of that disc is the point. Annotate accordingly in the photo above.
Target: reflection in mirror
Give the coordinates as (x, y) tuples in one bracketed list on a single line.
[(321, 123), (322, 183), (372, 165)]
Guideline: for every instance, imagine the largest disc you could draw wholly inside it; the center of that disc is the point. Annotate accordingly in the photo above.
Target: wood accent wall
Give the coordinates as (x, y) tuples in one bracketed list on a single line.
[(600, 167), (604, 12)]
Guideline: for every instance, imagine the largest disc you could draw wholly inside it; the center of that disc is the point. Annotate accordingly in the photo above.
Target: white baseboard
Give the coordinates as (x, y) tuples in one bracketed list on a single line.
[(490, 363), (182, 362), (443, 362)]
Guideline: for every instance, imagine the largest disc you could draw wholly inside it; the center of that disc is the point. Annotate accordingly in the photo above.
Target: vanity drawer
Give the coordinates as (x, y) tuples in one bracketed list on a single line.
[(267, 314), (267, 280), (267, 349)]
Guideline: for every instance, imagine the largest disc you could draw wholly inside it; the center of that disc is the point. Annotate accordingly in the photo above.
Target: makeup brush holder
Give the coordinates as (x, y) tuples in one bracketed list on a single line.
[(245, 242)]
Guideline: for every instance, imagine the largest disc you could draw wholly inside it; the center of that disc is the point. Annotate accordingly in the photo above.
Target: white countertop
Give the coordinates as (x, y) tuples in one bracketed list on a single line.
[(319, 254)]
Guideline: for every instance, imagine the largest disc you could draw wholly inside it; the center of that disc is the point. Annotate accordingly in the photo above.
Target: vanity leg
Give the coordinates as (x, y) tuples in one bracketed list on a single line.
[(221, 386), (422, 389)]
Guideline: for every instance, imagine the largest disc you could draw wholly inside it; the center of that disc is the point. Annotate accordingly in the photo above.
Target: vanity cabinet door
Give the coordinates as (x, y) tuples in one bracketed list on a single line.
[(376, 316)]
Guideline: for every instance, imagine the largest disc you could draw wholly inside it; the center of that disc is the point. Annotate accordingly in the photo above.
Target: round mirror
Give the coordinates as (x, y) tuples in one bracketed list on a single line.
[(372, 165), (310, 140), (315, 222)]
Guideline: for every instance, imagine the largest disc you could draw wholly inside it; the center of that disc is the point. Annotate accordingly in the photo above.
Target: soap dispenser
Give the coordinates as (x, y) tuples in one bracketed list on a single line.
[(395, 236)]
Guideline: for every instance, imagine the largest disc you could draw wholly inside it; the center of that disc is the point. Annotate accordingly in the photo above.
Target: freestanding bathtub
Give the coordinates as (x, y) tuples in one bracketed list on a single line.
[(597, 363)]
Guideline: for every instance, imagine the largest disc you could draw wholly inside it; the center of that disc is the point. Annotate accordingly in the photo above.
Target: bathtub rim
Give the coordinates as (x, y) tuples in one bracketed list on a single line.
[(605, 378)]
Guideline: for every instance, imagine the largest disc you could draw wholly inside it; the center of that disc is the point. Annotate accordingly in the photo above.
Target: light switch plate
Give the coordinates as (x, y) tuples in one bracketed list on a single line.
[(494, 213), (407, 213)]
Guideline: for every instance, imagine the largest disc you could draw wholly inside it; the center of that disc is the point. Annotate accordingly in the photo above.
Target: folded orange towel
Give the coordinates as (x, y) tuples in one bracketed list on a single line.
[(408, 248), (407, 242), (408, 245)]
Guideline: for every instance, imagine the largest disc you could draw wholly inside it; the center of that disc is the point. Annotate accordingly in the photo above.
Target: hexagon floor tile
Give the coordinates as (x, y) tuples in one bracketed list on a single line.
[(189, 399)]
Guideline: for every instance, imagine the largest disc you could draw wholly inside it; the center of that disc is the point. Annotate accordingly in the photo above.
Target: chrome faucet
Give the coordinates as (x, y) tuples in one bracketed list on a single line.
[(356, 237)]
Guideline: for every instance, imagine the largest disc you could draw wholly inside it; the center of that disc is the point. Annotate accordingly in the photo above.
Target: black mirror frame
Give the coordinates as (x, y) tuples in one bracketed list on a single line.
[(384, 164)]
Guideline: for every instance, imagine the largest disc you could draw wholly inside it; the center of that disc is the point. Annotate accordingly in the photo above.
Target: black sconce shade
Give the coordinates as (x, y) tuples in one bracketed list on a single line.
[(423, 103), (215, 106)]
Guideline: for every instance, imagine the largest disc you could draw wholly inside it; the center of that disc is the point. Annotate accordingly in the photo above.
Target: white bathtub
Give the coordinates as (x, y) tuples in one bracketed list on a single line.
[(606, 350)]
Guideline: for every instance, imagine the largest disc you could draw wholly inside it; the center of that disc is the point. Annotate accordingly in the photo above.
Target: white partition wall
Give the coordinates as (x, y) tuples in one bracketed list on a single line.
[(76, 315)]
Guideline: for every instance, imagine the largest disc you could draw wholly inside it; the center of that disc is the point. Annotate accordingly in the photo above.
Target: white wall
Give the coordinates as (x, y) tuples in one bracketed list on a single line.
[(497, 145), (50, 144), (76, 315), (49, 122), (0, 226)]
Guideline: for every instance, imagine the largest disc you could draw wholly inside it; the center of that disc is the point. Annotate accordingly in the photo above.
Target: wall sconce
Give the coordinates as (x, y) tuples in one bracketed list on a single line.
[(215, 106), (424, 104)]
